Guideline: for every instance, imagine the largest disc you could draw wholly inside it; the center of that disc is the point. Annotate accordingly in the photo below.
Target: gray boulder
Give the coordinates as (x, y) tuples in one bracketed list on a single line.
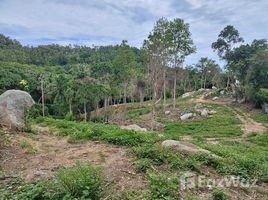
[(183, 146), (215, 98), (12, 106), (265, 107), (187, 94), (204, 113), (186, 116), (167, 112), (134, 127)]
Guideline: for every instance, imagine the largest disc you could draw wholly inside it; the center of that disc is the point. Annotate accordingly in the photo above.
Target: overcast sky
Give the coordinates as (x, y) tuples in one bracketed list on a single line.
[(35, 22)]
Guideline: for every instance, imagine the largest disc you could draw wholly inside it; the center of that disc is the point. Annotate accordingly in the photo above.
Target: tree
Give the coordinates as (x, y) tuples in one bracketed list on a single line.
[(208, 69), (181, 45), (124, 64), (153, 48), (229, 37)]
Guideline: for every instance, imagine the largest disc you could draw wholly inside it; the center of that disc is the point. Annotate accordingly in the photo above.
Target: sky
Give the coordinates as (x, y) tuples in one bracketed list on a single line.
[(108, 22)]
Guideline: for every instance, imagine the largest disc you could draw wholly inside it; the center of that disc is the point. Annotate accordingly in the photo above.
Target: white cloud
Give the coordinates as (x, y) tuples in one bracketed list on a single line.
[(110, 21)]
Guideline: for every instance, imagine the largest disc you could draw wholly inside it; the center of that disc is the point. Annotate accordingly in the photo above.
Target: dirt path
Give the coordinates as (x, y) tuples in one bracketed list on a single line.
[(53, 153), (248, 125)]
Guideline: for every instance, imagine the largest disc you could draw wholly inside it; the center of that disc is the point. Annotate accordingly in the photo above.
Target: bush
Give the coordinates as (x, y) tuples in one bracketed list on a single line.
[(143, 165), (69, 116), (82, 180), (263, 95), (219, 194), (163, 186)]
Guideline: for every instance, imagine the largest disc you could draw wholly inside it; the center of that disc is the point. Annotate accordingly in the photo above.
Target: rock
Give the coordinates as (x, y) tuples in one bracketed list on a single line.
[(183, 146), (215, 98), (186, 116), (167, 112), (201, 90), (240, 101), (209, 95), (199, 106), (265, 107), (187, 94), (12, 106), (222, 92), (134, 127), (214, 88), (212, 112), (204, 113)]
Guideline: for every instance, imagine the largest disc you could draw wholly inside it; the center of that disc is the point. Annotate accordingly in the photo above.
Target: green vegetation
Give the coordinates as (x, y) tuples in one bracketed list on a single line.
[(219, 194), (82, 181), (27, 146), (78, 132), (222, 124), (88, 83)]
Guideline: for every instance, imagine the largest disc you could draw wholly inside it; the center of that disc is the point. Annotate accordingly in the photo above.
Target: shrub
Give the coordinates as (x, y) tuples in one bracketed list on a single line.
[(263, 94), (82, 180), (219, 194), (69, 116), (143, 164), (163, 186), (152, 152)]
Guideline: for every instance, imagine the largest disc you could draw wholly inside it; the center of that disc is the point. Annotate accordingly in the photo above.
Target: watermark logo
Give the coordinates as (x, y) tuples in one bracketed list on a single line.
[(194, 181)]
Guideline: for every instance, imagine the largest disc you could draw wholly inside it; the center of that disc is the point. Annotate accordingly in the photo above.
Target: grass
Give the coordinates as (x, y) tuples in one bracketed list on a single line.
[(82, 181), (79, 132), (261, 140), (161, 166), (221, 124), (27, 146), (136, 113), (246, 160)]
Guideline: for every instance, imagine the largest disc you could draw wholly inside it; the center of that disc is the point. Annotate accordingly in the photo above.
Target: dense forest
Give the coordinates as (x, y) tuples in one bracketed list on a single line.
[(73, 80)]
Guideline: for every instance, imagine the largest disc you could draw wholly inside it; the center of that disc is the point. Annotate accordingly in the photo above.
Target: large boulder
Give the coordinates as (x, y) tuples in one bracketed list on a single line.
[(187, 94), (186, 116), (13, 104), (184, 147), (204, 113), (134, 127)]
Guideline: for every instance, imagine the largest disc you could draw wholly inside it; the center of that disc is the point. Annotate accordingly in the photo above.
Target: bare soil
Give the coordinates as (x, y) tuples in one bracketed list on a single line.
[(53, 153)]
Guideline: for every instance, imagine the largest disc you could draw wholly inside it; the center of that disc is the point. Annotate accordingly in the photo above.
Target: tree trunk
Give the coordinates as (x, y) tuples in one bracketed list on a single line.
[(97, 109), (154, 98), (43, 98), (205, 82), (164, 88), (85, 111), (105, 103), (125, 93), (174, 89), (70, 106), (141, 95)]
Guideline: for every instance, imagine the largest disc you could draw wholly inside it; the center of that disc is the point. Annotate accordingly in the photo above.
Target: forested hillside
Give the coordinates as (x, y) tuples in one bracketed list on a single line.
[(77, 79)]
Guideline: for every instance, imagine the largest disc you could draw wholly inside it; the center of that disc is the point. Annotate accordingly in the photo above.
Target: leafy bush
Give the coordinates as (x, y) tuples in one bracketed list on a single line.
[(155, 153), (143, 164), (82, 180), (27, 146), (163, 186), (69, 116), (263, 94), (219, 194)]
